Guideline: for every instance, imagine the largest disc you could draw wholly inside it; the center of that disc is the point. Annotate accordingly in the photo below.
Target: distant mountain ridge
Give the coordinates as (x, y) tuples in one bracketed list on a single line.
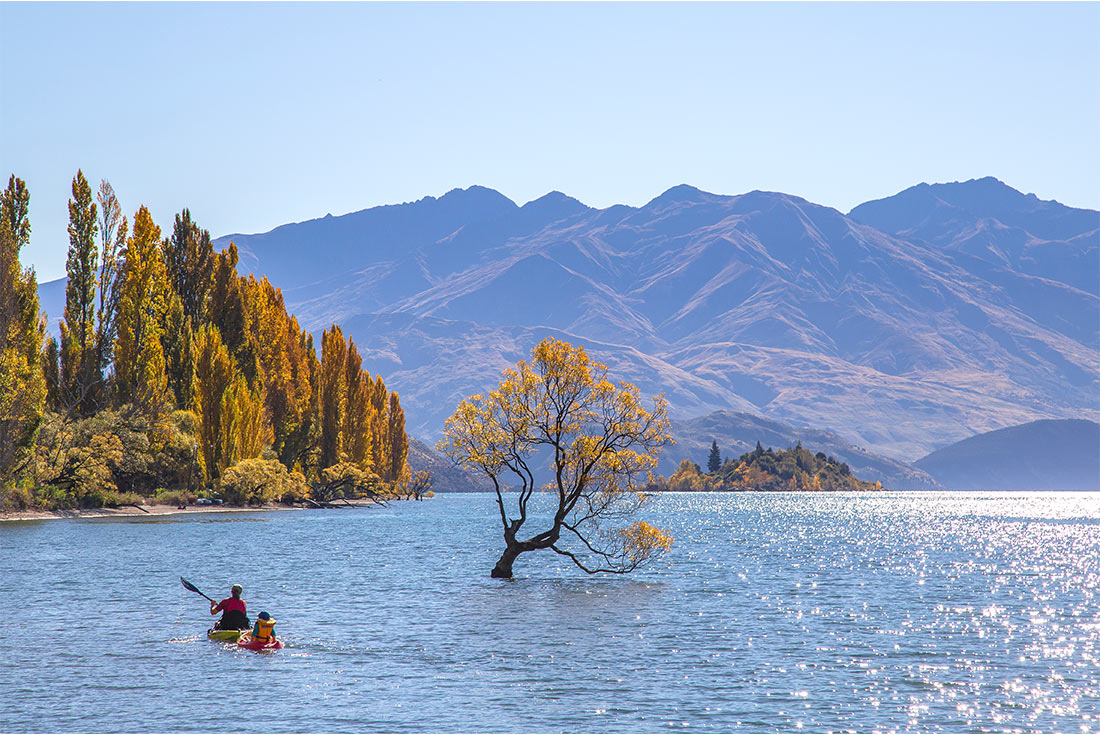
[(1040, 455), (996, 226)]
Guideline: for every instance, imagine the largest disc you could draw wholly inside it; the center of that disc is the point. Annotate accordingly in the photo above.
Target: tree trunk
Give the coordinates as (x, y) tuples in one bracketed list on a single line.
[(503, 569)]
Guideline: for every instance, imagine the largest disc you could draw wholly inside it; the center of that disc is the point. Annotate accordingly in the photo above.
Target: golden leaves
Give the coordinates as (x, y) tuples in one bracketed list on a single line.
[(600, 438)]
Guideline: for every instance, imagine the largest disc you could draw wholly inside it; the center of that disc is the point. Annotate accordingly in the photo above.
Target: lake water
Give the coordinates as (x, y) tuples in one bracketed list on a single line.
[(961, 612)]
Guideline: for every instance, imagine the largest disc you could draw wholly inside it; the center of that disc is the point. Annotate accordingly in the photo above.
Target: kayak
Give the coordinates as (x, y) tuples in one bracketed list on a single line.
[(246, 641), (215, 634)]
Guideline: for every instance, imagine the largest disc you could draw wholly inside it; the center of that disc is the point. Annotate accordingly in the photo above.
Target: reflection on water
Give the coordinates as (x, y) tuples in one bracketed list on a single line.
[(774, 612)]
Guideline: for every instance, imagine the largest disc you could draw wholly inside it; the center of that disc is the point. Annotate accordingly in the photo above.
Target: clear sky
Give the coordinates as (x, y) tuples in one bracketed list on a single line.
[(255, 114)]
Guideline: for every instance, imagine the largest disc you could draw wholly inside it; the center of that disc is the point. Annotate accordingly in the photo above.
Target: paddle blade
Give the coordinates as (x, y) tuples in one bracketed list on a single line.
[(193, 588)]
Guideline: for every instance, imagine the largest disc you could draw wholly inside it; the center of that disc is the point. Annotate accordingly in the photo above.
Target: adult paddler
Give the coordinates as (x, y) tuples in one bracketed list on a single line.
[(233, 610)]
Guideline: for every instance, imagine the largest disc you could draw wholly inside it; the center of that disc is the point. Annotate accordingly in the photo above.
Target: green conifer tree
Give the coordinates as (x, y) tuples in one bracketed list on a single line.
[(714, 460)]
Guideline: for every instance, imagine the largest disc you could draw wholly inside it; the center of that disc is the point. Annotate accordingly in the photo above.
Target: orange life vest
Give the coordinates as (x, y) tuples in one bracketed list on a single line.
[(262, 632)]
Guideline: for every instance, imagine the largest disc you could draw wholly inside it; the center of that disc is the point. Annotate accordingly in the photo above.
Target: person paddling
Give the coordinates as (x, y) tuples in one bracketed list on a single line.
[(233, 610)]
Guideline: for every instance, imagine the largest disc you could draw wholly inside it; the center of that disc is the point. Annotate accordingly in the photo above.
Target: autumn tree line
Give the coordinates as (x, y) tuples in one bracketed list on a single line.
[(174, 376)]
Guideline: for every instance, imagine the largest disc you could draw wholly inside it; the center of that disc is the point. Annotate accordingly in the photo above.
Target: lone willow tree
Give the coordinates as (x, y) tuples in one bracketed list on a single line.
[(598, 440)]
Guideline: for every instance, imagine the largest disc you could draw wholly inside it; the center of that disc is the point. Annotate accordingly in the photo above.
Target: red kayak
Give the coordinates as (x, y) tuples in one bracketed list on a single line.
[(247, 641)]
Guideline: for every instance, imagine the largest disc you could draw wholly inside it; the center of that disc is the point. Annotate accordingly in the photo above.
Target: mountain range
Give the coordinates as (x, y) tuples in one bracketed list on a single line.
[(911, 322), (905, 325)]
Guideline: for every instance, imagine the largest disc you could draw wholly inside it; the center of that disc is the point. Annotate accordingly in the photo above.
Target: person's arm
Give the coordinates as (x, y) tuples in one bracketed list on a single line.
[(215, 608)]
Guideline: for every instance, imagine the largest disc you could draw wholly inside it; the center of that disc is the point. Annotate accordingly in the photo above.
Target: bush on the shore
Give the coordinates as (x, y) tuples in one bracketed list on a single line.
[(79, 463), (259, 481), (174, 497), (16, 497)]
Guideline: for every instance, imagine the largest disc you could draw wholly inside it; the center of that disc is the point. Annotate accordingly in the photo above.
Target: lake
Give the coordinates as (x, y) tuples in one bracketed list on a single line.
[(960, 612)]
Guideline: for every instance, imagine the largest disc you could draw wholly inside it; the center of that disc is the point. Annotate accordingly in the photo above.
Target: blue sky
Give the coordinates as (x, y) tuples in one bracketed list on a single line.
[(256, 114)]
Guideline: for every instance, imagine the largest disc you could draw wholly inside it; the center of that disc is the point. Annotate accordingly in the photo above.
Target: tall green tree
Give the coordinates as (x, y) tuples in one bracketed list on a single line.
[(189, 260), (79, 369), (22, 384), (177, 341), (140, 377), (230, 313), (51, 372), (714, 459)]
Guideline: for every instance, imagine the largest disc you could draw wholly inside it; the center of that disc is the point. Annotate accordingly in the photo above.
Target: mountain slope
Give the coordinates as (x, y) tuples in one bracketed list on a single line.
[(445, 476), (1040, 455), (763, 303)]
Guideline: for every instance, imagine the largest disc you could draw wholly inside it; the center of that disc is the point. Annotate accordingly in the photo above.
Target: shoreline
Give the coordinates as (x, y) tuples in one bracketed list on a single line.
[(150, 510)]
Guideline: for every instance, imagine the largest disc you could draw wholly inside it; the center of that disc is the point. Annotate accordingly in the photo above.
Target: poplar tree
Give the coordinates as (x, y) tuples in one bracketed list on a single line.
[(22, 384), (139, 356), (213, 373), (378, 428), (113, 231), (79, 371), (176, 341), (356, 433), (189, 260), (231, 423), (333, 395), (398, 440), (284, 367), (229, 312), (51, 373)]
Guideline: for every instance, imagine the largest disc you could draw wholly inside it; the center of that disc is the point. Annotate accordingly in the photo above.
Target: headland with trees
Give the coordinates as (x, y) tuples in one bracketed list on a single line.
[(791, 469)]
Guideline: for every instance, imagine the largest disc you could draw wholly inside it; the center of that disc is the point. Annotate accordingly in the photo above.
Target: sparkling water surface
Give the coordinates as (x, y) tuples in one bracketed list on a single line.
[(959, 612)]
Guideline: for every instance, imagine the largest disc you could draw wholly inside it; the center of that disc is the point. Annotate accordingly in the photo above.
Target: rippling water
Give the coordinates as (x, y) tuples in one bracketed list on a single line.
[(958, 612)]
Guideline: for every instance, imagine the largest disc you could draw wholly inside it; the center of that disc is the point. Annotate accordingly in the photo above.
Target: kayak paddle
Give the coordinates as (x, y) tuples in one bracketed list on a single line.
[(193, 588)]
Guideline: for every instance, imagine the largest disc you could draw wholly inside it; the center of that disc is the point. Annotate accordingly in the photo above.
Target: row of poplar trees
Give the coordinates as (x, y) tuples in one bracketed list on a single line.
[(154, 326)]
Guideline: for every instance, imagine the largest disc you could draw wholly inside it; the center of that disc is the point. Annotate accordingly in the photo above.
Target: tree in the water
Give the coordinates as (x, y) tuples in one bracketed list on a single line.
[(600, 441), (714, 460)]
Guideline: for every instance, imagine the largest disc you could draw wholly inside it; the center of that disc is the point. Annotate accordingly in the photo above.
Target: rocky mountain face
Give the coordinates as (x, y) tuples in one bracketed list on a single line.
[(911, 323), (1040, 455), (445, 476)]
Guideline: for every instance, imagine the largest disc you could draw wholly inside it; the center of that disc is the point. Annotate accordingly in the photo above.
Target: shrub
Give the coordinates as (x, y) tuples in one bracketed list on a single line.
[(174, 497), (15, 497), (346, 480), (259, 481), (114, 499)]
